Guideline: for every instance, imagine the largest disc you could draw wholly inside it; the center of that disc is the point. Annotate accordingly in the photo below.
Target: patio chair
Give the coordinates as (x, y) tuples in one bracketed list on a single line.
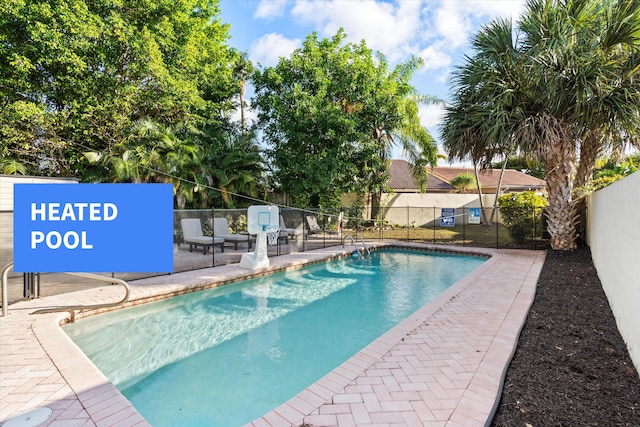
[(312, 224), (292, 233), (192, 235), (221, 229)]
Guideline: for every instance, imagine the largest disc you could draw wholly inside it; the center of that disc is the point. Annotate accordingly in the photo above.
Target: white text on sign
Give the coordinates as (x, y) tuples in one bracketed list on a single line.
[(68, 212), (73, 211)]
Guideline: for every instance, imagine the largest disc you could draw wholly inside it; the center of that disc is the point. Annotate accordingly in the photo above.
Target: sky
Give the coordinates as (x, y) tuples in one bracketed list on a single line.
[(438, 31)]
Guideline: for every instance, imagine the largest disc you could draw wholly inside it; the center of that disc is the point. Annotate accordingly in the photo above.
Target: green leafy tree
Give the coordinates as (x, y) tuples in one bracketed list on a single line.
[(611, 167), (331, 113), (607, 171), (467, 132), (77, 75)]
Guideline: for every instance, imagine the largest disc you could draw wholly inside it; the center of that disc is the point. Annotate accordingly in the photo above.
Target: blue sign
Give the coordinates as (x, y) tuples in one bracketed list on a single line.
[(93, 227), (474, 215), (448, 217)]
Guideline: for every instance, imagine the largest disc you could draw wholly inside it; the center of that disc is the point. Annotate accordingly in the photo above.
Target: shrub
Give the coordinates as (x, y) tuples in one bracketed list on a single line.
[(522, 214), (464, 182)]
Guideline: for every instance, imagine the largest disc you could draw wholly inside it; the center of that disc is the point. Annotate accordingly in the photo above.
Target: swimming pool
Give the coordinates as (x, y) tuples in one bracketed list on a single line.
[(228, 355)]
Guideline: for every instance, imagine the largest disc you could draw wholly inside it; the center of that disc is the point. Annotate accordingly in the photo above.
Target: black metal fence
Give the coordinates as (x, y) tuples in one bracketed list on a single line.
[(308, 229), (461, 226)]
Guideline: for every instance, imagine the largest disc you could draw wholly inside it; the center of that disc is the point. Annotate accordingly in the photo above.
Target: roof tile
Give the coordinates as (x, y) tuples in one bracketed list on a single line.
[(440, 177)]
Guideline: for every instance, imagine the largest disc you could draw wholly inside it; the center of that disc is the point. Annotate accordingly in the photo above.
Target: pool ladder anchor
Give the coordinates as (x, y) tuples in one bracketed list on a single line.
[(354, 240)]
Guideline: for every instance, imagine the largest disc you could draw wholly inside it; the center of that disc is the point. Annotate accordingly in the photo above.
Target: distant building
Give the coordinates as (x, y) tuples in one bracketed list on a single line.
[(440, 179)]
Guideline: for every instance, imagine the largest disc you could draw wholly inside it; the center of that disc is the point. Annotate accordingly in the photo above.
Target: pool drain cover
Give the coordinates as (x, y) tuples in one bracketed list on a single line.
[(29, 419)]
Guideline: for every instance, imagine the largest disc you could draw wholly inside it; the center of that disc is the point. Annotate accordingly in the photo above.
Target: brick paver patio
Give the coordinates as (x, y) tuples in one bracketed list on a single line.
[(443, 366)]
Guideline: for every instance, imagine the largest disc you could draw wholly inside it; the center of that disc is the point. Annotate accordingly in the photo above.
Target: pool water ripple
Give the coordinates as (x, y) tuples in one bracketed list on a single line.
[(226, 356)]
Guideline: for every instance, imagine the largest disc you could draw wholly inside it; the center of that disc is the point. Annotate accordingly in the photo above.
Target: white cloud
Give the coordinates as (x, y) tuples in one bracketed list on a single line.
[(435, 57), (268, 9), (431, 115), (436, 29), (448, 26), (268, 49), (452, 24), (386, 27), (456, 21), (494, 8)]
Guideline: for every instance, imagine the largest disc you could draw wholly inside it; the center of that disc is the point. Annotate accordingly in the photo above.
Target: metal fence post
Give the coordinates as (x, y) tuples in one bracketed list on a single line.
[(434, 225), (31, 285), (408, 225), (213, 237), (464, 238), (304, 231), (497, 230)]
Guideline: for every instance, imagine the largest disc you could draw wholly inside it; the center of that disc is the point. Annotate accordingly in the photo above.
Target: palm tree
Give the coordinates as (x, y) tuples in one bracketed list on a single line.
[(572, 78), (152, 152), (611, 122), (416, 141), (232, 164), (585, 65), (12, 167), (473, 128), (407, 132), (242, 71)]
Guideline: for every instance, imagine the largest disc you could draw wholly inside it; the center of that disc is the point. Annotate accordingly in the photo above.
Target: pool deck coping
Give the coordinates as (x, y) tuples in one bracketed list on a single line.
[(442, 366)]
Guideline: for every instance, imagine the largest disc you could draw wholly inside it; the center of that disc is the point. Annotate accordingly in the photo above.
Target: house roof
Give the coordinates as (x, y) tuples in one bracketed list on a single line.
[(440, 178), (402, 179)]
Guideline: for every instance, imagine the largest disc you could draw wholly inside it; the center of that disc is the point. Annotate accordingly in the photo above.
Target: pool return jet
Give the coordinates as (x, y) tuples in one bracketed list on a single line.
[(264, 222)]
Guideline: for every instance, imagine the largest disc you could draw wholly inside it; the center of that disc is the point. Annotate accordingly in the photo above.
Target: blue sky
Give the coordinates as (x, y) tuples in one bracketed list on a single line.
[(436, 30)]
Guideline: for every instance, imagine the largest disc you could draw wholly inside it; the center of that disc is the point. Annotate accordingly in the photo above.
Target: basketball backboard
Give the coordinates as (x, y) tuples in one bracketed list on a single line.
[(262, 217)]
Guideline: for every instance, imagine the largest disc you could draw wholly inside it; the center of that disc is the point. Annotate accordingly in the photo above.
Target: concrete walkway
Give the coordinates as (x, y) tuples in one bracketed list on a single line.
[(440, 367)]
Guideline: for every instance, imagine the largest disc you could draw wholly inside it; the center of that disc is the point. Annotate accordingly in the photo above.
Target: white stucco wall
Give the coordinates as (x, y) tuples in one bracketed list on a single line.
[(421, 206), (7, 181), (6, 209), (613, 233)]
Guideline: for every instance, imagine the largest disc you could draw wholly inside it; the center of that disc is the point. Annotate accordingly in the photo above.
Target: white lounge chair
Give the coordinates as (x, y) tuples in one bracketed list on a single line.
[(192, 235), (221, 229), (312, 224), (290, 232)]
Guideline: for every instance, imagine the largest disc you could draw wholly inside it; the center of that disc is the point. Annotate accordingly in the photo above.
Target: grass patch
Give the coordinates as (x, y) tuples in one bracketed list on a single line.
[(469, 235)]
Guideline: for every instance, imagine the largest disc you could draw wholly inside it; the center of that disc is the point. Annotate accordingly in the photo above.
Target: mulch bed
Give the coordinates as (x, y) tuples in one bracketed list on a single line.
[(571, 366)]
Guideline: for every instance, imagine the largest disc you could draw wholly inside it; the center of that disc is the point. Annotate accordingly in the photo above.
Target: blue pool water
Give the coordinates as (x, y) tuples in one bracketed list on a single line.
[(226, 356)]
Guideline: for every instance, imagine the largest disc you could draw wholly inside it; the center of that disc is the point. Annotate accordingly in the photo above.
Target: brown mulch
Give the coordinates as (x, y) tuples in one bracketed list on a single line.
[(571, 366)]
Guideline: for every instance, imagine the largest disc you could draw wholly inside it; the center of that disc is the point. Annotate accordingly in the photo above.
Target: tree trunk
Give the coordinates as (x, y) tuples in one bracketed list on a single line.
[(589, 152), (242, 89), (495, 201), (559, 159), (376, 199), (482, 212)]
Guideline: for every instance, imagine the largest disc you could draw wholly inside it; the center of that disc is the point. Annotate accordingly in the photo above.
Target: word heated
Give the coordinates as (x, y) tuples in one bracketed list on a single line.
[(73, 211), (79, 212)]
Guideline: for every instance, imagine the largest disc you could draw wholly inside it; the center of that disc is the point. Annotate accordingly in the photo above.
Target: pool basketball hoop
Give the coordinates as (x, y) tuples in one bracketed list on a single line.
[(264, 222)]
